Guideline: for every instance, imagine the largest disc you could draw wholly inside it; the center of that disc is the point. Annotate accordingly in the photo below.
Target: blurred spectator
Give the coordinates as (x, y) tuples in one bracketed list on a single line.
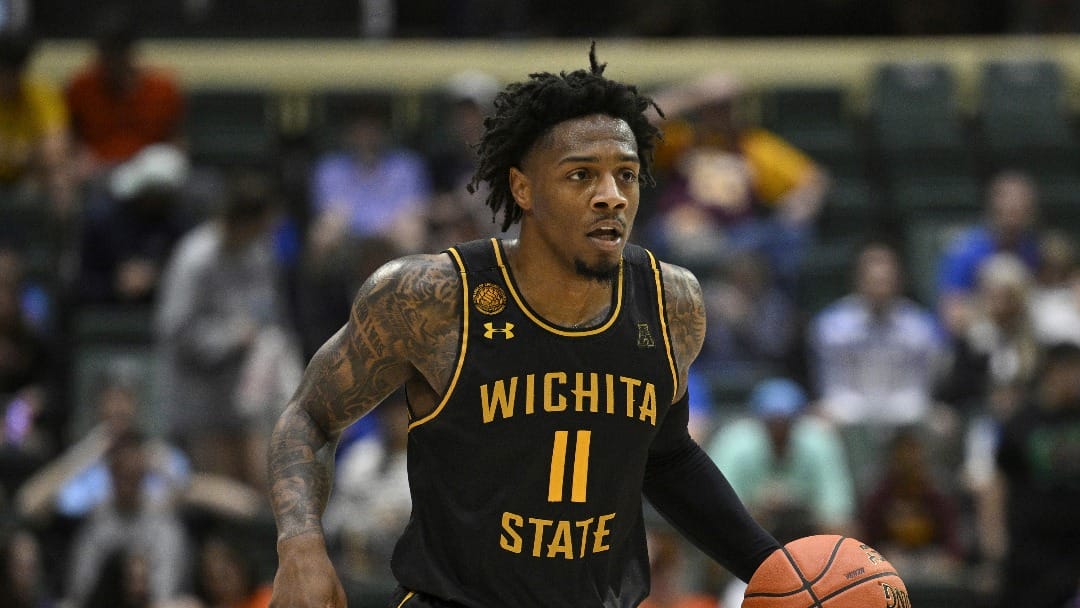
[(122, 582), (24, 352), (78, 480), (668, 584), (369, 188), (229, 358), (371, 502), (1009, 226), (753, 326), (875, 352), (996, 351), (788, 467), (119, 106), (1055, 300), (227, 577), (125, 244), (450, 152), (456, 215), (732, 185), (33, 132), (129, 528), (30, 420), (910, 518), (35, 302), (328, 284), (1039, 459), (453, 217), (22, 572), (1056, 260)]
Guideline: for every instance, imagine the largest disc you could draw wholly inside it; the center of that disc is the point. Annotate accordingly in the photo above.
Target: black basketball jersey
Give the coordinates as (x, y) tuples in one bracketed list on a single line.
[(527, 476)]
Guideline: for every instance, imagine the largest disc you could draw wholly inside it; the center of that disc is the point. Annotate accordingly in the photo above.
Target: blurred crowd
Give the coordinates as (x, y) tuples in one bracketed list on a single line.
[(156, 311)]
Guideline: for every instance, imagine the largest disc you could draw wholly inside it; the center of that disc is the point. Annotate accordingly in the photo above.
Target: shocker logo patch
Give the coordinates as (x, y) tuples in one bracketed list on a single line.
[(489, 298)]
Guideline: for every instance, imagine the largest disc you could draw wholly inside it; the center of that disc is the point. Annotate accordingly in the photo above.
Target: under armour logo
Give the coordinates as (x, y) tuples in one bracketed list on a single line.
[(491, 330), (644, 336)]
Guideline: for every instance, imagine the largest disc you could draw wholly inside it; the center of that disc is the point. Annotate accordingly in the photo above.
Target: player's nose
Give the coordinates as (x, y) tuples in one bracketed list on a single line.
[(608, 195)]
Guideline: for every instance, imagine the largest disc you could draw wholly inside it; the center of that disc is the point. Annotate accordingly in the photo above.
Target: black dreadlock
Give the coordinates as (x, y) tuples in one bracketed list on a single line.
[(525, 111)]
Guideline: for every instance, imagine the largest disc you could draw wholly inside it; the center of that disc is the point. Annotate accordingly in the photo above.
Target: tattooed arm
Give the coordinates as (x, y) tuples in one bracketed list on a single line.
[(685, 317), (681, 481), (402, 329)]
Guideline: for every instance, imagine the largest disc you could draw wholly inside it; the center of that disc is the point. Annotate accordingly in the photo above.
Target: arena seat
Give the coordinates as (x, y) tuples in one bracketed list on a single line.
[(916, 124)]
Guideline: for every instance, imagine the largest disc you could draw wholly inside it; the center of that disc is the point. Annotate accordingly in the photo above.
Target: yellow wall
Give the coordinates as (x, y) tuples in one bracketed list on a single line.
[(414, 65)]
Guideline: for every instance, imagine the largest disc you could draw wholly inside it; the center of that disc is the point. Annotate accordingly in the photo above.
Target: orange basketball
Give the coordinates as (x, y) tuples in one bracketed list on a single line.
[(826, 571)]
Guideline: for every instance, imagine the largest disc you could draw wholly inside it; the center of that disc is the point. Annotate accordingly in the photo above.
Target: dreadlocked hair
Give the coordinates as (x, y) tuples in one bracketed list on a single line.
[(526, 110)]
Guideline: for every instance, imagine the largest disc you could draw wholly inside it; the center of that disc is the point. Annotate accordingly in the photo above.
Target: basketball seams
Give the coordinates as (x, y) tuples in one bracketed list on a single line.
[(829, 562), (782, 585), (807, 585), (851, 586)]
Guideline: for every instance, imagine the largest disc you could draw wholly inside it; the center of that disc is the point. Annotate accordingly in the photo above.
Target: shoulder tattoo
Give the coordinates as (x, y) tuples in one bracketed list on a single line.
[(685, 314), (404, 320)]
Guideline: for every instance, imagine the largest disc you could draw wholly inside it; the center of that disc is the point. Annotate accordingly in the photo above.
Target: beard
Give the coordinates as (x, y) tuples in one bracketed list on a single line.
[(606, 273)]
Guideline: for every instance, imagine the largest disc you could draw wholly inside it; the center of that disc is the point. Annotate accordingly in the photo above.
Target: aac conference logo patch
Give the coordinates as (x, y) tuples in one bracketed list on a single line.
[(489, 298)]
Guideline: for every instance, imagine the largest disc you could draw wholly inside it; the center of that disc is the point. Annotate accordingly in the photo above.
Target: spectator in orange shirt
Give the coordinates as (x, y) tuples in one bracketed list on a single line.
[(118, 106)]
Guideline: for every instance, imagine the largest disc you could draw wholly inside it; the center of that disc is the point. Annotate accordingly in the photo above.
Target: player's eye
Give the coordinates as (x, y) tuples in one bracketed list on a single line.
[(578, 174), (629, 175)]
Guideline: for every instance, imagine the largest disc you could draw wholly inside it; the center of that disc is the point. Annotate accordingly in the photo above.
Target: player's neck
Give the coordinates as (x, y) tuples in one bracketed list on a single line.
[(556, 290)]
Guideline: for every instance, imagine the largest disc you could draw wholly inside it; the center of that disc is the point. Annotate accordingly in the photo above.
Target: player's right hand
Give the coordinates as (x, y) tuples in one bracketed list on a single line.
[(305, 576)]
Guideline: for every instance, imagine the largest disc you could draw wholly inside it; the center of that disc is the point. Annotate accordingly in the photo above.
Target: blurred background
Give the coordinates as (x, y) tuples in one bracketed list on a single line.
[(881, 200)]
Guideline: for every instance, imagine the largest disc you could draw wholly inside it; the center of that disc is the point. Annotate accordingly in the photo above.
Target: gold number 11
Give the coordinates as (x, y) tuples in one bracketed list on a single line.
[(558, 466)]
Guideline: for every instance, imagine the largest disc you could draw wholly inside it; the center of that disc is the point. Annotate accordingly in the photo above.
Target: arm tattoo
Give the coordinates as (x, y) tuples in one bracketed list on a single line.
[(403, 321), (686, 316)]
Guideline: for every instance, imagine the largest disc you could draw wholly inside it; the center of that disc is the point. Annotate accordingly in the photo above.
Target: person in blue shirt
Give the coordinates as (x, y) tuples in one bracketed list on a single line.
[(1009, 226)]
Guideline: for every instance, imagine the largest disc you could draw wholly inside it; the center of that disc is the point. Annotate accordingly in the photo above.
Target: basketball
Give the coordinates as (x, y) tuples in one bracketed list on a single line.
[(826, 571)]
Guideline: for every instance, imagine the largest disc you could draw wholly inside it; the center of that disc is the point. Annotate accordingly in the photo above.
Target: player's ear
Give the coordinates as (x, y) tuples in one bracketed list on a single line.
[(520, 188)]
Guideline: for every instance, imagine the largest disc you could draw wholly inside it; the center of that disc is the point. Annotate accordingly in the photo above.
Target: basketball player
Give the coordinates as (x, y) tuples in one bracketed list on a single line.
[(546, 383)]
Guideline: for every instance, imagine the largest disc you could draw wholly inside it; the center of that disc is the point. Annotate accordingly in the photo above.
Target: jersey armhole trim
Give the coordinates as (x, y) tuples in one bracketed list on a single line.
[(660, 305), (462, 348)]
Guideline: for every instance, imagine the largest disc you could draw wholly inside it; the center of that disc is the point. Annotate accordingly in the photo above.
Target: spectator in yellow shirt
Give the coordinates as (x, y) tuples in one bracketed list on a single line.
[(729, 185), (33, 131)]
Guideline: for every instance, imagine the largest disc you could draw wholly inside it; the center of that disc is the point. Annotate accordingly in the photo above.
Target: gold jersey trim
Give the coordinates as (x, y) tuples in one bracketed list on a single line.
[(408, 596), (464, 344), (544, 324), (663, 324)]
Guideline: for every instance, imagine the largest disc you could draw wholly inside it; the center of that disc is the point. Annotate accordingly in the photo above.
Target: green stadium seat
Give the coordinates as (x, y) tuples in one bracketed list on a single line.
[(817, 120), (925, 238), (113, 324), (916, 197), (916, 123), (232, 127), (850, 210), (825, 274), (1059, 202), (1024, 122)]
